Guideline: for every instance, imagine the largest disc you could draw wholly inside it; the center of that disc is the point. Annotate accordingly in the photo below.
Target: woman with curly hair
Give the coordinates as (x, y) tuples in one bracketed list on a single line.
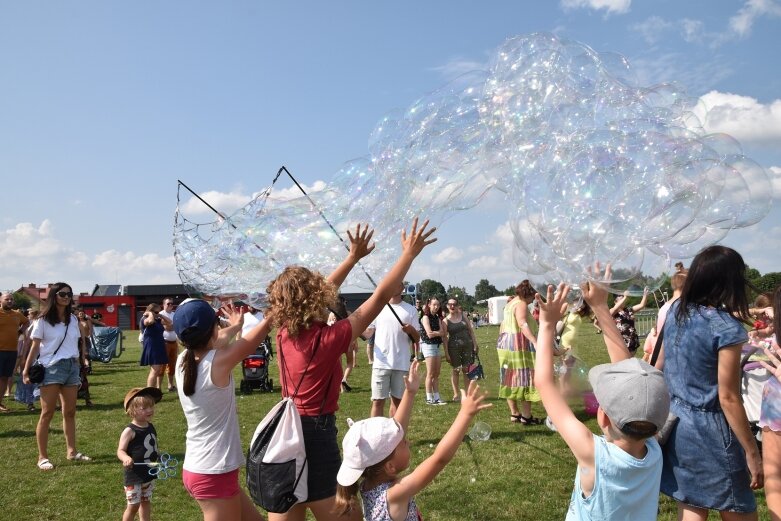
[(298, 306)]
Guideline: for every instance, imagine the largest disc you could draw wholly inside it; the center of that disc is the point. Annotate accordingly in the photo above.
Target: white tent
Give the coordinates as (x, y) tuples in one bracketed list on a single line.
[(496, 309)]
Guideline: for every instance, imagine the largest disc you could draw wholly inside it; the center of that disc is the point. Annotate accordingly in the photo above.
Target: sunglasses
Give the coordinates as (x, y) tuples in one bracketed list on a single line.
[(65, 294), (451, 303)]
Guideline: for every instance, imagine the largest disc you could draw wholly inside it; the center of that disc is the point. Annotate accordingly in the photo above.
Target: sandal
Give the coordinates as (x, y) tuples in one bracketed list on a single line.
[(80, 457), (3, 408), (530, 420), (31, 408), (45, 464), (516, 418)]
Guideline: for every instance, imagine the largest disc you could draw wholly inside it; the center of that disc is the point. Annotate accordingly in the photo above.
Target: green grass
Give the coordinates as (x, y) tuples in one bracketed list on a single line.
[(521, 473)]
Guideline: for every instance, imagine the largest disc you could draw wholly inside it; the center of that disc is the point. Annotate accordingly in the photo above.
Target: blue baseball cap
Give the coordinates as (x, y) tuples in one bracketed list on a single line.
[(194, 317)]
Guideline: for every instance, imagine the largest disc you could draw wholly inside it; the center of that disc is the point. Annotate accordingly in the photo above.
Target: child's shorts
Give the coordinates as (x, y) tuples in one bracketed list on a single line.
[(139, 492), (211, 486)]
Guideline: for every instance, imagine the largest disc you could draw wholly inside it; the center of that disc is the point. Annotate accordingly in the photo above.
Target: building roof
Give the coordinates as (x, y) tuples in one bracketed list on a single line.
[(107, 290)]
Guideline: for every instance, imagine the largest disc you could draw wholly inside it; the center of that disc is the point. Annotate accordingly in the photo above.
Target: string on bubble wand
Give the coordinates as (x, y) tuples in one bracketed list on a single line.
[(347, 246)]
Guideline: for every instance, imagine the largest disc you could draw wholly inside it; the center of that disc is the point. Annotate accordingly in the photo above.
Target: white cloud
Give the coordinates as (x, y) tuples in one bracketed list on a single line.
[(484, 262), (449, 254), (652, 29), (37, 254), (741, 24), (228, 202), (742, 117), (775, 178), (610, 6)]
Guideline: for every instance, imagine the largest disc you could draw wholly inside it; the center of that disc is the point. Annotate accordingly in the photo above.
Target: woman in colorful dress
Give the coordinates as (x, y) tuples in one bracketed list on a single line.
[(515, 348), (625, 319)]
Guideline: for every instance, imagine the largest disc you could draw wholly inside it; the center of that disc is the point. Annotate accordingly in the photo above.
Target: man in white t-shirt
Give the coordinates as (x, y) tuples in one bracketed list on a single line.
[(392, 343), (171, 344)]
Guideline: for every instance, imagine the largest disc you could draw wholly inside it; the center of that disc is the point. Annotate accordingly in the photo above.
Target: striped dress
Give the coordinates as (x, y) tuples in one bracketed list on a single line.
[(516, 358)]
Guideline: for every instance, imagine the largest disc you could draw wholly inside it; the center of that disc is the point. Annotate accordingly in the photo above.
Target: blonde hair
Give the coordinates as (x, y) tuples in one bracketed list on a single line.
[(138, 402), (345, 500), (298, 297)]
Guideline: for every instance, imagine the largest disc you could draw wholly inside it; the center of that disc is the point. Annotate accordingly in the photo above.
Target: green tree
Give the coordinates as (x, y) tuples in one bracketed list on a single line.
[(768, 282), (22, 301), (485, 290), (509, 292), (431, 288), (466, 300)]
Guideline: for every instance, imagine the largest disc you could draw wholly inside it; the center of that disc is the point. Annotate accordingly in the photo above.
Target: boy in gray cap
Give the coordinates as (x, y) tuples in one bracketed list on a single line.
[(619, 472)]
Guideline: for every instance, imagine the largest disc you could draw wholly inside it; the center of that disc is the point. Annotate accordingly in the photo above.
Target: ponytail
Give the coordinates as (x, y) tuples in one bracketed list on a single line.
[(345, 501), (190, 370)]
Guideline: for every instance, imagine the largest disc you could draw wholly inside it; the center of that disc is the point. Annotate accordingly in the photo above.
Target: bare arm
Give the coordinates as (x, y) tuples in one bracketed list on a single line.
[(31, 357), (360, 247), (412, 384), (124, 440), (521, 312), (472, 402), (226, 359), (595, 295), (148, 318), (575, 434), (235, 320), (411, 246), (643, 301), (732, 405), (476, 348), (618, 305)]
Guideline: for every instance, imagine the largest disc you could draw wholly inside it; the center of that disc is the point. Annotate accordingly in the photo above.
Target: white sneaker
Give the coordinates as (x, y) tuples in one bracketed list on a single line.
[(439, 402), (549, 424), (430, 402)]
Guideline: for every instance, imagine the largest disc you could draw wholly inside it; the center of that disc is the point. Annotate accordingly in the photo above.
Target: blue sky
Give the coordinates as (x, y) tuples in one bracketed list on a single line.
[(106, 104)]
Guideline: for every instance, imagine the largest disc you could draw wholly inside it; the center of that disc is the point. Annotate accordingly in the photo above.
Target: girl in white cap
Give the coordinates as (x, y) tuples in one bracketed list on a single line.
[(377, 450)]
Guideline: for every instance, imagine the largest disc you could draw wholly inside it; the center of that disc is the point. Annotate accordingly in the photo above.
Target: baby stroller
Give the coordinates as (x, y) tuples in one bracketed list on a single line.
[(255, 369)]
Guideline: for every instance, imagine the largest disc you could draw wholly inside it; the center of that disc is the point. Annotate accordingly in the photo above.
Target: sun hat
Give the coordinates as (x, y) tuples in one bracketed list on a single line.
[(152, 392), (631, 390), (193, 316), (367, 443)]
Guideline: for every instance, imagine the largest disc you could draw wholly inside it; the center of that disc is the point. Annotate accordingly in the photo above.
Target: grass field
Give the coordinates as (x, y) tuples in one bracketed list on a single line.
[(521, 473)]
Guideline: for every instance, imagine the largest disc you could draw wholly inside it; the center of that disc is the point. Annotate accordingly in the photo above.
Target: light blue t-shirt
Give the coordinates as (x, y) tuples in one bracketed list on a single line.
[(625, 488)]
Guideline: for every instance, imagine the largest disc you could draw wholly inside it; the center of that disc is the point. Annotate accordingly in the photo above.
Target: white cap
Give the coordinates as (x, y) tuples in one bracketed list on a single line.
[(367, 443)]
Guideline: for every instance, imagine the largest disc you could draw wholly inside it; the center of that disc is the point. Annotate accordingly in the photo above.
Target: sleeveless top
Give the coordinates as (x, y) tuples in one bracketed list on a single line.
[(433, 321), (143, 449), (458, 333), (375, 505), (213, 445), (625, 488)]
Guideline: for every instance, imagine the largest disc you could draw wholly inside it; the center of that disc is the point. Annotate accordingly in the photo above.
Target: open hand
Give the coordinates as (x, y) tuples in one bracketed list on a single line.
[(594, 293), (473, 400), (774, 366), (554, 306), (417, 238), (412, 381), (361, 242), (233, 314), (127, 462)]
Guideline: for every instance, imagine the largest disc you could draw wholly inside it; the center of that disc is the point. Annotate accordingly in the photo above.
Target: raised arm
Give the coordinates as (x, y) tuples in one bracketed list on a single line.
[(618, 305), (643, 301), (595, 294), (412, 384), (226, 359), (235, 320), (360, 247), (411, 246), (472, 402), (575, 434)]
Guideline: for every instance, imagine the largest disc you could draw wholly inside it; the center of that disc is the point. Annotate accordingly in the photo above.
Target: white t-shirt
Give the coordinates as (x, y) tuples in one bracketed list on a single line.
[(391, 343), (213, 445), (169, 336), (51, 336), (251, 320)]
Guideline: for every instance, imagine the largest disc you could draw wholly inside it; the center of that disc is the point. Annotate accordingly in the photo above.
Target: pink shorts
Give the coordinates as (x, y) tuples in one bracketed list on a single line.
[(211, 486)]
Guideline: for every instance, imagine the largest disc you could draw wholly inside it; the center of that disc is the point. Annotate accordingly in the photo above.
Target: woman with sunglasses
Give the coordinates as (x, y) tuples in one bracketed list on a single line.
[(56, 346)]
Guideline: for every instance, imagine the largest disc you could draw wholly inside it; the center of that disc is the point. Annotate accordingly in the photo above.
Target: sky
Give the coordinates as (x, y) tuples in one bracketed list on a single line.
[(104, 105)]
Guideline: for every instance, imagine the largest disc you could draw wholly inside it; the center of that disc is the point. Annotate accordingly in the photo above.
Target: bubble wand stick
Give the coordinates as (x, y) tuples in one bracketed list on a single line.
[(347, 246)]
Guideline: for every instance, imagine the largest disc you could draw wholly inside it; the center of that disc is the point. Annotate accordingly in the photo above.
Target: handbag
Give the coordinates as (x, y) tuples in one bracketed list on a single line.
[(37, 372), (277, 468), (475, 369)]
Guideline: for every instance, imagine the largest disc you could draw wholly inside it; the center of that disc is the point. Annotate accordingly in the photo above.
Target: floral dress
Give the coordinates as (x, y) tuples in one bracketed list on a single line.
[(625, 320), (375, 505)]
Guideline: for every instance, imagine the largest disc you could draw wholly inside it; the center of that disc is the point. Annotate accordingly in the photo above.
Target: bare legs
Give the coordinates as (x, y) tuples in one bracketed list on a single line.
[(771, 463), (690, 513), (238, 507), (49, 396), (322, 510), (155, 377), (433, 367)]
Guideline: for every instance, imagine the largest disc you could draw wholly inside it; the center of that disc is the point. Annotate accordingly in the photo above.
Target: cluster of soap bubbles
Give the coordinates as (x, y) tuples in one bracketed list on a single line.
[(593, 167)]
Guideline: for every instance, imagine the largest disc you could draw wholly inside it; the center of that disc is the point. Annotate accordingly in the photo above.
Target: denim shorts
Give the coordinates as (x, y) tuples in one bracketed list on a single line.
[(322, 453), (63, 372), (429, 350)]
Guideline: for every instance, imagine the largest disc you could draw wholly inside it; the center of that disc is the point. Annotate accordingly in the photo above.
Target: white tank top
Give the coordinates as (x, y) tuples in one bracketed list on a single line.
[(213, 443)]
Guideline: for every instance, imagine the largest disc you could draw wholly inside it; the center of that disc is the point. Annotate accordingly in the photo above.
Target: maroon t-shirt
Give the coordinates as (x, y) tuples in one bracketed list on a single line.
[(326, 365)]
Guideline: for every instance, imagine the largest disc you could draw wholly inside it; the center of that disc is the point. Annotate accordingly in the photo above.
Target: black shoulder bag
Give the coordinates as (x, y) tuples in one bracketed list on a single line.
[(37, 371)]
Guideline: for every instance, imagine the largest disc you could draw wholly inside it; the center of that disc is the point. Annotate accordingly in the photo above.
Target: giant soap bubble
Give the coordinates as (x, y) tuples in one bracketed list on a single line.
[(594, 167)]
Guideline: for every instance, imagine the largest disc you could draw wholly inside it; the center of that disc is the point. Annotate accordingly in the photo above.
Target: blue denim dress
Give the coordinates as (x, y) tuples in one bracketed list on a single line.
[(704, 464)]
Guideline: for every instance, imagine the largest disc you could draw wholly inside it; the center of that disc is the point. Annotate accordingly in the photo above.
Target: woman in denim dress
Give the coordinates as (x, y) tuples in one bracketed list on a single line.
[(711, 460)]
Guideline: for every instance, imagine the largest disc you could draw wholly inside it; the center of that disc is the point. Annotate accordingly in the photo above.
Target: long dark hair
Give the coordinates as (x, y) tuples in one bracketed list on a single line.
[(49, 309), (194, 341), (427, 308), (716, 278)]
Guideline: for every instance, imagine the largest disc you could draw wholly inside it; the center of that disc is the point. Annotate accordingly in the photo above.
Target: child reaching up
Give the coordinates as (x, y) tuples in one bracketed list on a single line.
[(619, 472), (377, 450)]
